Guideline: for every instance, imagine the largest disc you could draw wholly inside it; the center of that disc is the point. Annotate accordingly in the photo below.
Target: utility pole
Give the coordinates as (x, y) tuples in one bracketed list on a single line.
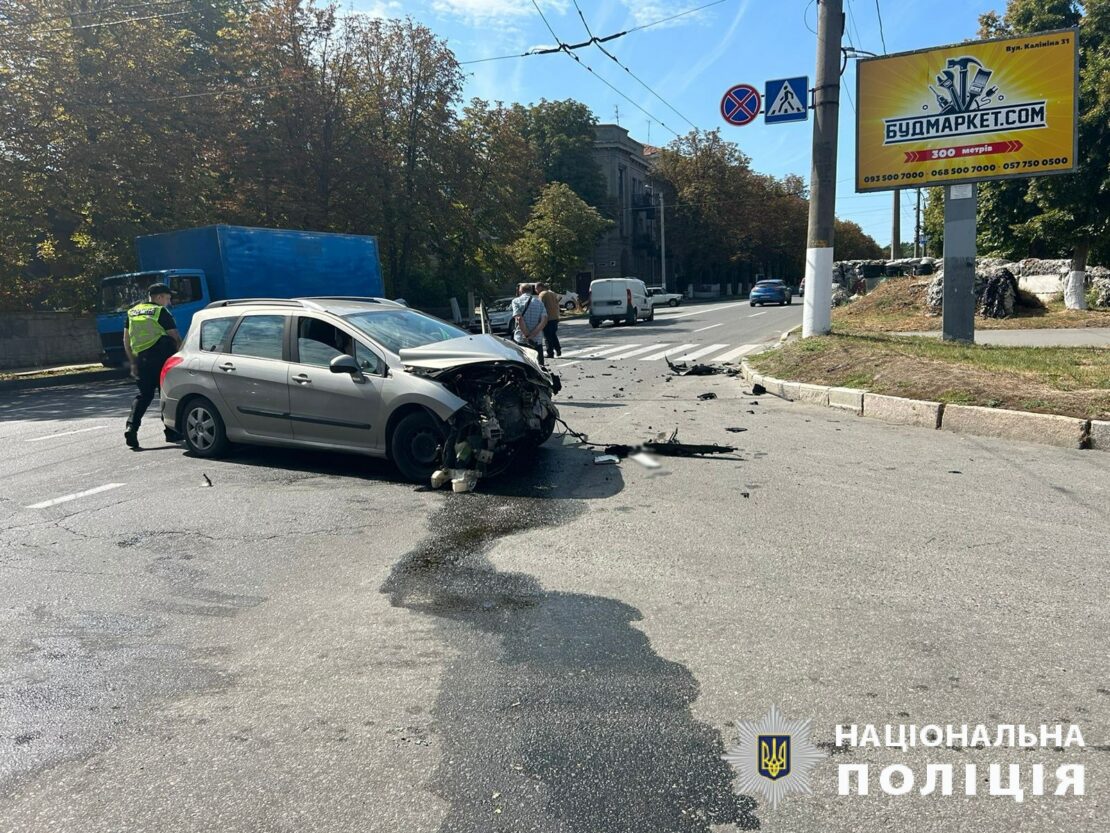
[(896, 227), (663, 240), (817, 312), (958, 311), (918, 249)]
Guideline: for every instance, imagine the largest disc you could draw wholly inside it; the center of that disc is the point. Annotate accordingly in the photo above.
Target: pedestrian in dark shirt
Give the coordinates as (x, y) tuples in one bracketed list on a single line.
[(150, 337)]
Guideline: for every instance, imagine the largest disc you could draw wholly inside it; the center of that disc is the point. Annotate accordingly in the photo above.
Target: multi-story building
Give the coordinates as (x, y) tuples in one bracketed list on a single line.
[(631, 247)]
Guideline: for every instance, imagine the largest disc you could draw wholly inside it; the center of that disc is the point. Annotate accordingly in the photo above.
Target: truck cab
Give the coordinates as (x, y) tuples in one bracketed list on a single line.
[(118, 293)]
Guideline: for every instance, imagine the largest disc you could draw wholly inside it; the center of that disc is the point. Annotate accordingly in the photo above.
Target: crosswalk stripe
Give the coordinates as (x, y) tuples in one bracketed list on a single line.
[(656, 356), (697, 354), (740, 351), (594, 352), (636, 352)]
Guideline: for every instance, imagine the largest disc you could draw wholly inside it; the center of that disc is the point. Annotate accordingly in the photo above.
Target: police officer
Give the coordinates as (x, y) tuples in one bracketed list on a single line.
[(150, 337)]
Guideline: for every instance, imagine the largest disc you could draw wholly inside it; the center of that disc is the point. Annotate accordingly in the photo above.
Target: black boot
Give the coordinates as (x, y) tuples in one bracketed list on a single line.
[(131, 438)]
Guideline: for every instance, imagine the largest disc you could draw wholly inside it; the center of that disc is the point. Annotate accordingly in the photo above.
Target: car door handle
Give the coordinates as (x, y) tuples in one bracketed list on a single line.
[(302, 379), (227, 366)]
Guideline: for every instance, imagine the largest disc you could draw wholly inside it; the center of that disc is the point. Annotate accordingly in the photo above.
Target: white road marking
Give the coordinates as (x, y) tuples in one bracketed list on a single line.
[(697, 354), (637, 351), (743, 350), (594, 352), (66, 498), (757, 314), (65, 433), (710, 327), (656, 356), (707, 309), (566, 364)]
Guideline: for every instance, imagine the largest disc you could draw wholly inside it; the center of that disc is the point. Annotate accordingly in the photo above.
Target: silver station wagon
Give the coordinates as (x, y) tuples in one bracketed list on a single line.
[(363, 375)]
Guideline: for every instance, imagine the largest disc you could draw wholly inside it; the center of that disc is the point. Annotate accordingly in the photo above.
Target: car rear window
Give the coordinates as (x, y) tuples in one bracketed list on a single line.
[(213, 333)]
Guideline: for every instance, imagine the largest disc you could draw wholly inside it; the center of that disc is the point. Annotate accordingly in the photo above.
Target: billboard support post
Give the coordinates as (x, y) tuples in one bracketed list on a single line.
[(958, 316)]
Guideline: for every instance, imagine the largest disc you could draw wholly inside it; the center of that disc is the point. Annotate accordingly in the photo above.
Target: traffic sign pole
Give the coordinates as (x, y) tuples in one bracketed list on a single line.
[(817, 312)]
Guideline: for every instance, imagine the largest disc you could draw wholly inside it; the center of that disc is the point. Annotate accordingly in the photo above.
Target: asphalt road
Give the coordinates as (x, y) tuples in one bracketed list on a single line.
[(307, 644)]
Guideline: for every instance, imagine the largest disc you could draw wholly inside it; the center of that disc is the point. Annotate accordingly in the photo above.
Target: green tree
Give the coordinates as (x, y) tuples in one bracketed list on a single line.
[(562, 137), (561, 231), (853, 243)]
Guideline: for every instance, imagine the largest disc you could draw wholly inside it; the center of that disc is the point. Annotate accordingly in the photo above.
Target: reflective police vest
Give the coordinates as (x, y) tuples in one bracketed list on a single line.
[(143, 329)]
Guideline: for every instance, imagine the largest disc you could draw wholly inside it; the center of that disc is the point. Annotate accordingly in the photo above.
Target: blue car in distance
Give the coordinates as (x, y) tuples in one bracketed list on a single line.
[(770, 292)]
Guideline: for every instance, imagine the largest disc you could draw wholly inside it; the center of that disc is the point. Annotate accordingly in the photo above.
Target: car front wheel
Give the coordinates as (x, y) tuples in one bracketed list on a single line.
[(204, 431), (673, 302), (415, 446)]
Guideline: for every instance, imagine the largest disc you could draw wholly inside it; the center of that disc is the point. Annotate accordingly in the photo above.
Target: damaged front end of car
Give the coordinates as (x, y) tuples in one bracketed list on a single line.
[(509, 411)]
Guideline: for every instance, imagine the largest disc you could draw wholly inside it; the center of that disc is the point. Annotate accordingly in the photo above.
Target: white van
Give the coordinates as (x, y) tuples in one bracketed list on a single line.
[(620, 299)]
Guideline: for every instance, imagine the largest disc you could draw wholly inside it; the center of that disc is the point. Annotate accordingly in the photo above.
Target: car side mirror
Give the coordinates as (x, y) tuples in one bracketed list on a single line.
[(345, 364)]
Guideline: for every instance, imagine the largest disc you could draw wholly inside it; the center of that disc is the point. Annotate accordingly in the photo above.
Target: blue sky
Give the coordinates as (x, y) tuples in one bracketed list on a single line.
[(690, 63)]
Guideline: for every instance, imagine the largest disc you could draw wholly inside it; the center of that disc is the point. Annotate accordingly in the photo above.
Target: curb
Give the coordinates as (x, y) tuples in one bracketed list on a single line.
[(105, 375), (1025, 426)]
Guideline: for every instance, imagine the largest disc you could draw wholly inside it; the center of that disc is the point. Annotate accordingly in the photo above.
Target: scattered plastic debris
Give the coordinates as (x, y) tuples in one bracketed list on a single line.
[(707, 395), (736, 430), (606, 460), (758, 390), (207, 479), (645, 460), (694, 369)]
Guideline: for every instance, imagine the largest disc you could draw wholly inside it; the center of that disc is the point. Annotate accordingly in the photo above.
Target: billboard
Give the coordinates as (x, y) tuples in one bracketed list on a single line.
[(985, 110)]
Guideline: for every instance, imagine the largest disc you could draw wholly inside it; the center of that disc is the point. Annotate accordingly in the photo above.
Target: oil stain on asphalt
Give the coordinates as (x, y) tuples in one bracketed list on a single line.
[(557, 714)]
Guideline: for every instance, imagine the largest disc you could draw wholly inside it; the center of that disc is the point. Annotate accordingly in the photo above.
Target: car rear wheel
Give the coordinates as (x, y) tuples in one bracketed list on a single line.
[(204, 430), (415, 446), (569, 305)]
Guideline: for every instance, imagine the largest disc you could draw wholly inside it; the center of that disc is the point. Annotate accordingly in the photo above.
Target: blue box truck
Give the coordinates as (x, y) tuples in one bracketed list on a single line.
[(217, 263)]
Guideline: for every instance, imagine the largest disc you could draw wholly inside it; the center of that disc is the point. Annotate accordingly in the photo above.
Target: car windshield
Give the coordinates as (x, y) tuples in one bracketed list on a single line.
[(396, 329), (119, 294)]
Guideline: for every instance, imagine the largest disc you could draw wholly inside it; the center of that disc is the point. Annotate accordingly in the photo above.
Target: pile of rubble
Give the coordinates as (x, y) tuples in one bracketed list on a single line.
[(997, 282)]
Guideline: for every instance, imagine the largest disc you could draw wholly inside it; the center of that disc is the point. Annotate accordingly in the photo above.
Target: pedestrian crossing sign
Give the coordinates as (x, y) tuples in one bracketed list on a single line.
[(787, 100)]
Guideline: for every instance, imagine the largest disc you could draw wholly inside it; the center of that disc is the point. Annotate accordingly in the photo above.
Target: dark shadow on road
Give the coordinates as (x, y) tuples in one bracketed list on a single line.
[(99, 400), (557, 714)]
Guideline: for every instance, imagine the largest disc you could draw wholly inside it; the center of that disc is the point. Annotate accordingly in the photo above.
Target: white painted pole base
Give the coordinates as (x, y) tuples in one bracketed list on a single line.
[(817, 309), (1075, 294)]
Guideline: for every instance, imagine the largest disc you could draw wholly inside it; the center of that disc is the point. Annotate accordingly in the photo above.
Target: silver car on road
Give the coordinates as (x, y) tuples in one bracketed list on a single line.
[(362, 375)]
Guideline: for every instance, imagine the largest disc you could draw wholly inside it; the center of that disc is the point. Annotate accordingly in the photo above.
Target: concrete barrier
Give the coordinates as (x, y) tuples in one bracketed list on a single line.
[(902, 411), (790, 390), (1047, 429), (848, 399), (813, 394), (46, 339), (773, 386), (1100, 434)]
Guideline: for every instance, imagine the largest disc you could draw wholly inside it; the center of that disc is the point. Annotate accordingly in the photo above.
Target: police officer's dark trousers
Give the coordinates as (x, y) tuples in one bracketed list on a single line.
[(149, 365)]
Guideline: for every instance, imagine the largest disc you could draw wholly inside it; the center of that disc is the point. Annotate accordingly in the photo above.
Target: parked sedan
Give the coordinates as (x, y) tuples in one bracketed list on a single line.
[(365, 376), (770, 292)]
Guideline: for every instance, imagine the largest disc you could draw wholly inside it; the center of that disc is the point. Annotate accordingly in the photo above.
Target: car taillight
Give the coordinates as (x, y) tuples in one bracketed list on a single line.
[(171, 362), (628, 292)]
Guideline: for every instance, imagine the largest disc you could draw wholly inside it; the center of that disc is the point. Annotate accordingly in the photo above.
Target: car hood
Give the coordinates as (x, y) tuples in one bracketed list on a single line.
[(457, 352)]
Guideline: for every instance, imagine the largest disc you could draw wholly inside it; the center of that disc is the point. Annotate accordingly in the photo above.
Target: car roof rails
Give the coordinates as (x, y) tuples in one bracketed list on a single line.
[(363, 298), (274, 302)]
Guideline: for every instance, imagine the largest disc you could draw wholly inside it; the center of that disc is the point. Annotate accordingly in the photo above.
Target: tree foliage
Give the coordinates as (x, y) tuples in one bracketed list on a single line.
[(560, 233)]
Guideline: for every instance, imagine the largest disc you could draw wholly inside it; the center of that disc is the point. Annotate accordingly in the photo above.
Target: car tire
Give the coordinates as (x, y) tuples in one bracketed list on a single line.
[(595, 322), (674, 302), (415, 446), (569, 305), (203, 429)]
